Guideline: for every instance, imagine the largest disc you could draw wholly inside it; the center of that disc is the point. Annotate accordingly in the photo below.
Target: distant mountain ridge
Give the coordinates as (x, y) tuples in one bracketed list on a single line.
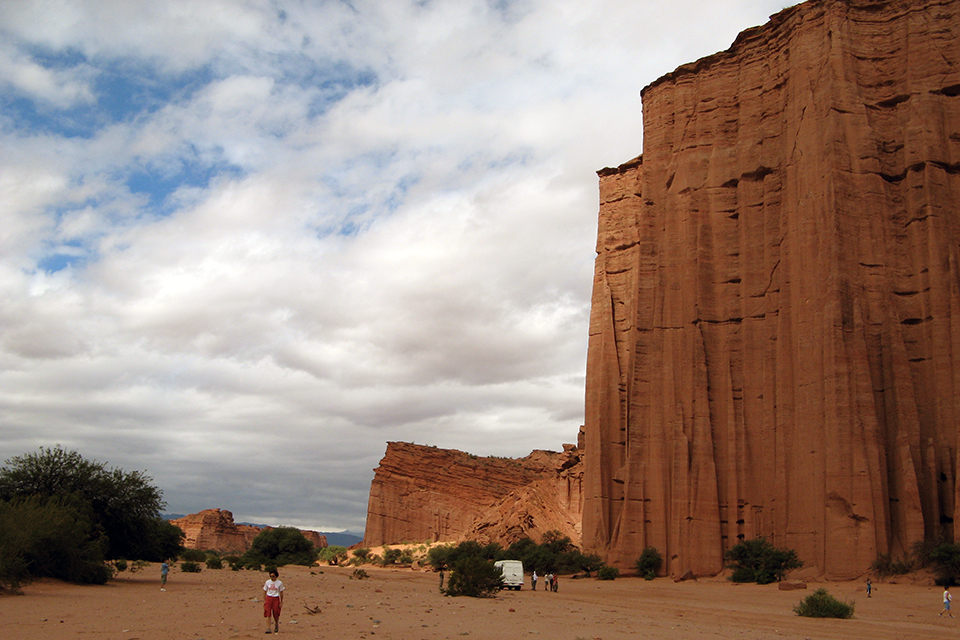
[(214, 528)]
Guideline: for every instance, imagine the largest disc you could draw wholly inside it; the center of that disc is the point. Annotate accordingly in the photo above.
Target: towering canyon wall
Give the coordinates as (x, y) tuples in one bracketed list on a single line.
[(421, 493), (775, 324)]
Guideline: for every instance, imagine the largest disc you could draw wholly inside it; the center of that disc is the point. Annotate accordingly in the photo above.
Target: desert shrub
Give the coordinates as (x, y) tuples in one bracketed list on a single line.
[(885, 565), (123, 507), (120, 565), (281, 546), (607, 572), (333, 555), (575, 561), (214, 562), (359, 574), (391, 556), (439, 557), (475, 577), (406, 557), (649, 562), (189, 566), (137, 565), (759, 561), (821, 604), (193, 555), (362, 554), (946, 563)]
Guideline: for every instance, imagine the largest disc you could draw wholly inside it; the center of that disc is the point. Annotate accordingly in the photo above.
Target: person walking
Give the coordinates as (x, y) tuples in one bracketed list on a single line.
[(273, 601), (947, 599), (869, 587), (164, 570)]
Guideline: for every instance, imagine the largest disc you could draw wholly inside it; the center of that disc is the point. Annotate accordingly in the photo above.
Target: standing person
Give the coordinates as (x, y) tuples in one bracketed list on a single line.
[(947, 599), (533, 580), (273, 601), (869, 587), (555, 581), (441, 579), (164, 570)]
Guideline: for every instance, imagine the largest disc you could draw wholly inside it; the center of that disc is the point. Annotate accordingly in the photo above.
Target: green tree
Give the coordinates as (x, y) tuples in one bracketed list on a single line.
[(49, 537), (946, 562), (124, 506), (474, 576), (438, 557), (333, 555), (759, 561), (280, 546)]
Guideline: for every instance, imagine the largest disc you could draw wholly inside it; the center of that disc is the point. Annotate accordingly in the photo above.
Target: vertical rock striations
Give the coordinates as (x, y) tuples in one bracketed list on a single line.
[(777, 294)]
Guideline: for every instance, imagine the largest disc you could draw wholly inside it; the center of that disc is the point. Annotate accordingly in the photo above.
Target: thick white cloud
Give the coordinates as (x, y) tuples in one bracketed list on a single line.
[(247, 243)]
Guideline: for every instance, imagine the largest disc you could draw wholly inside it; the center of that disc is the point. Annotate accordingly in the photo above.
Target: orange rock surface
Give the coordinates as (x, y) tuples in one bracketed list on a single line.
[(215, 530), (777, 295), (425, 494)]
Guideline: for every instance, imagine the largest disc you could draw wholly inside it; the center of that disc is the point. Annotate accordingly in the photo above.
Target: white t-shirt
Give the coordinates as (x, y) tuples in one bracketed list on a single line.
[(273, 588)]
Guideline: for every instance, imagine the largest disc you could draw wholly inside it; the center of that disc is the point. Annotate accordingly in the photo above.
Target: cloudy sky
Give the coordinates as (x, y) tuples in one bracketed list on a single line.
[(246, 243)]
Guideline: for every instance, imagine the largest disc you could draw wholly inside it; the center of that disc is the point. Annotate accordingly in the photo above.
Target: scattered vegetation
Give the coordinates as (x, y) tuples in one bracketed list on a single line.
[(556, 554), (649, 563), (885, 565), (359, 574), (946, 563), (214, 562), (333, 555), (120, 565), (608, 573), (280, 546), (820, 604), (189, 566), (475, 577), (759, 561), (361, 555), (193, 555)]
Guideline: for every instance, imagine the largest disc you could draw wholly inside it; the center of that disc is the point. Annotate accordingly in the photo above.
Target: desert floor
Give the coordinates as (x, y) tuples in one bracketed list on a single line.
[(407, 604)]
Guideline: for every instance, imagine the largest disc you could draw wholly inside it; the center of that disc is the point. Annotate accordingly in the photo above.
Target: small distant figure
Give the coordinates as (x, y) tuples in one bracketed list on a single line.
[(164, 570), (554, 584), (273, 601), (533, 580), (441, 580), (947, 599), (869, 587), (548, 585)]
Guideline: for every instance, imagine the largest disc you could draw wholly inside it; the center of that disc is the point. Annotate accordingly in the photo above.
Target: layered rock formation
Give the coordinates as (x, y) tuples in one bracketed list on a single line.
[(426, 494), (215, 530), (777, 295)]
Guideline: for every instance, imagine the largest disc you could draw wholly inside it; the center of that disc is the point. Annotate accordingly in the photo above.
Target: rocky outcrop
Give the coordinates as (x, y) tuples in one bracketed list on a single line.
[(215, 530), (777, 296), (425, 494)]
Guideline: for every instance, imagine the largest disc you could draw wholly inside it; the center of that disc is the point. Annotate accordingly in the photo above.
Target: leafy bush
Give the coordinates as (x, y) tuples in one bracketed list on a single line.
[(214, 562), (391, 556), (438, 557), (946, 562), (475, 577), (821, 604), (193, 555), (123, 507), (280, 546), (759, 561), (649, 563), (120, 565), (362, 554), (49, 537), (885, 565), (189, 566), (359, 574), (333, 555), (607, 572)]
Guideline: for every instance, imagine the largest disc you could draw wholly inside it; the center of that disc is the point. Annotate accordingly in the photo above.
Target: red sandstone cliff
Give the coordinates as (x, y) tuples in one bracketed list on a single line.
[(422, 493), (777, 295), (215, 530)]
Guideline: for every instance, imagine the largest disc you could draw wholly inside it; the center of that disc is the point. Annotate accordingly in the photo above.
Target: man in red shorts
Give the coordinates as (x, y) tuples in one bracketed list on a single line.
[(273, 601)]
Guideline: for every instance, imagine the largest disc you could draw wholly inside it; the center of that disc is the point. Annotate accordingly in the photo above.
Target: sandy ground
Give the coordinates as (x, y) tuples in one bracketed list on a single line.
[(407, 605)]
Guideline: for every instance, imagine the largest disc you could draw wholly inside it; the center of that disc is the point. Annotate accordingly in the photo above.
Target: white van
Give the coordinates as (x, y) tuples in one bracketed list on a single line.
[(512, 571)]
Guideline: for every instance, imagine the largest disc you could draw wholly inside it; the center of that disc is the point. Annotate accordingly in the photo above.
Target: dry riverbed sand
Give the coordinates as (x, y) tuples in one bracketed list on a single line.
[(407, 605)]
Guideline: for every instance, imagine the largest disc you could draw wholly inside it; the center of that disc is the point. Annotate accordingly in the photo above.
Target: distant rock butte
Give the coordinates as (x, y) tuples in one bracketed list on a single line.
[(425, 494), (775, 325), (215, 530)]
